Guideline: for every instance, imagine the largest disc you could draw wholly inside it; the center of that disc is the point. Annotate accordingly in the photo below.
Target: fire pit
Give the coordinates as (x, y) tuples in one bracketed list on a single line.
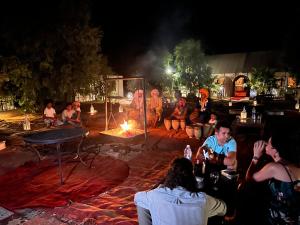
[(126, 130)]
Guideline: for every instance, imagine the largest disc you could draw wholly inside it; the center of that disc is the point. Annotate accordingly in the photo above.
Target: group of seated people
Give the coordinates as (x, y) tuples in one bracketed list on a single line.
[(69, 116), (178, 200), (200, 113), (201, 109), (154, 107)]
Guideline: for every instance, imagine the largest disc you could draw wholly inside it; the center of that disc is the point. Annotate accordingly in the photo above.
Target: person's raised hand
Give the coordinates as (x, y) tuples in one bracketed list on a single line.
[(258, 148)]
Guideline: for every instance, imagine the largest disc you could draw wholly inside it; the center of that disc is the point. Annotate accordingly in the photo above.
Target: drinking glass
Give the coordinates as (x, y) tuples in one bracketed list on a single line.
[(214, 177)]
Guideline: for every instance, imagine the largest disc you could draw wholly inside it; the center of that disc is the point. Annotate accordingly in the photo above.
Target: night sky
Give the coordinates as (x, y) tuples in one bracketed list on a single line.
[(131, 29)]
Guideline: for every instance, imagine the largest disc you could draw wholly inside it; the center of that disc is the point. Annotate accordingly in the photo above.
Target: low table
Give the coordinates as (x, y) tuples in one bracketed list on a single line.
[(237, 124), (57, 137)]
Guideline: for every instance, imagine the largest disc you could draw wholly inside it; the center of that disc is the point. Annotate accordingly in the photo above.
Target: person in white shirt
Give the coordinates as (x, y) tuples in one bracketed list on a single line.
[(69, 116), (178, 200), (49, 115)]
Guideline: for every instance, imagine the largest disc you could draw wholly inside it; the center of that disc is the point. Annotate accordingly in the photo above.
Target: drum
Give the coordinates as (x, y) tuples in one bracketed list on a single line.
[(198, 132), (207, 128), (175, 124), (182, 124), (168, 124), (189, 131)]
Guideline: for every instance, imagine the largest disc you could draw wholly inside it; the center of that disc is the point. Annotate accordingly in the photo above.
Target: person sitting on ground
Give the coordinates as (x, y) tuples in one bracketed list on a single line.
[(213, 120), (155, 108), (180, 111), (202, 108), (177, 200), (76, 107), (69, 116), (191, 97), (49, 115), (136, 111), (282, 174), (222, 145)]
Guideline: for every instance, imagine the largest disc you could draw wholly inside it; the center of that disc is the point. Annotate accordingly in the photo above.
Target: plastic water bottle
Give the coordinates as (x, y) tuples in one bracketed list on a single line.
[(253, 113), (188, 152)]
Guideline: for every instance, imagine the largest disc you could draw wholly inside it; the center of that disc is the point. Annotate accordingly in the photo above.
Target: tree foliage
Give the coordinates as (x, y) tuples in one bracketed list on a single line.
[(159, 77), (191, 65), (262, 79), (55, 63)]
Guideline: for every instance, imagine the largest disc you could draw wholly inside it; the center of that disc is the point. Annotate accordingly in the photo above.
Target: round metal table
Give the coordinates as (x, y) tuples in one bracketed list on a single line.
[(57, 137)]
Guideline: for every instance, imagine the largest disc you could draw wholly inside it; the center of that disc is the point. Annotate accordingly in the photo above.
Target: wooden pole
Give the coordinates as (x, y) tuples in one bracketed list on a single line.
[(106, 122), (145, 115)]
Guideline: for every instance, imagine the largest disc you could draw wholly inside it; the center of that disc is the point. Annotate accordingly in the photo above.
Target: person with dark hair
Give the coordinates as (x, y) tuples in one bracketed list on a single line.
[(282, 174), (202, 109), (222, 145), (49, 115), (69, 116), (177, 200), (180, 111)]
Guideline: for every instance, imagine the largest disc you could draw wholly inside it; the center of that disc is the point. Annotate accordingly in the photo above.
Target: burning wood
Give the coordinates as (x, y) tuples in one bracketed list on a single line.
[(125, 126), (126, 130)]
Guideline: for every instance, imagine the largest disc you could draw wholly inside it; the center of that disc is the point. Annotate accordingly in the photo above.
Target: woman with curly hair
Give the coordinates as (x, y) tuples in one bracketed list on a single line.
[(177, 200)]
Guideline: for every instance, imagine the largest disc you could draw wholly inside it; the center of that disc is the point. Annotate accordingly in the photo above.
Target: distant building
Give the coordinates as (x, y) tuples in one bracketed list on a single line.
[(232, 71)]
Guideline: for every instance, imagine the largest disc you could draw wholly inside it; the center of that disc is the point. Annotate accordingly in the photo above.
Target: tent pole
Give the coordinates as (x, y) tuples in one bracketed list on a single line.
[(145, 115), (106, 122)]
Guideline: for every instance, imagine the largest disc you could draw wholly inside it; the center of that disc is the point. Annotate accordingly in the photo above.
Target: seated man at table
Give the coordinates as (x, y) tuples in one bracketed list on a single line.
[(177, 200), (222, 145), (69, 116)]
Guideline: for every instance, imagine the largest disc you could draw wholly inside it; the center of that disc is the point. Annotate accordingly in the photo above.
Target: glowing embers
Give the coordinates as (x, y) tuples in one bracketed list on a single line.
[(126, 130)]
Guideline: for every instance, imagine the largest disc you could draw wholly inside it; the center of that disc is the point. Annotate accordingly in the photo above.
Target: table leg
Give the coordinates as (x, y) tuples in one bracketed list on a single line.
[(78, 151), (35, 150), (59, 163)]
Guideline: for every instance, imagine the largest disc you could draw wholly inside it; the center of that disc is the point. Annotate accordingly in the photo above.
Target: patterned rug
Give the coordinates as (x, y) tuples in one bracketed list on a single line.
[(38, 184)]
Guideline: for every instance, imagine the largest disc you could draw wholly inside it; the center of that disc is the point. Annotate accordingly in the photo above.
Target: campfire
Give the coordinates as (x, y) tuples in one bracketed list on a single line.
[(125, 126), (126, 130)]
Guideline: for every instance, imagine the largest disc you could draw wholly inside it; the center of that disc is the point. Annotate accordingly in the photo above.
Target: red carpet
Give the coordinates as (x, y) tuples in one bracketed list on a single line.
[(38, 184)]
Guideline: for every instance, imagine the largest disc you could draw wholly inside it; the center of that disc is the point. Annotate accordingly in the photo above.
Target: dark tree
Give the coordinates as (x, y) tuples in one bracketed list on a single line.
[(56, 59)]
